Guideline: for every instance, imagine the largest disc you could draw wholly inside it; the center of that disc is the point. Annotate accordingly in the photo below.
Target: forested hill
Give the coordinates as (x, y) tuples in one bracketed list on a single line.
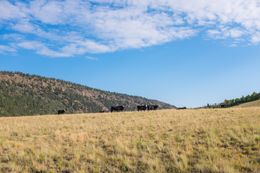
[(23, 94)]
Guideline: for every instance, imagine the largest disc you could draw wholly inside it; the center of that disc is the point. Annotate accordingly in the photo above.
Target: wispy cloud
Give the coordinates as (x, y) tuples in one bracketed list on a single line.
[(77, 27), (6, 49), (92, 58)]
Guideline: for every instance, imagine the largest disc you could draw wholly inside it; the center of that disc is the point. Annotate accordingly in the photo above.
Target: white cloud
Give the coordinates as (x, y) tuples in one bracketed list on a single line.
[(24, 27), (65, 51), (77, 27), (10, 11), (256, 38), (50, 12), (223, 33), (7, 49), (39, 47)]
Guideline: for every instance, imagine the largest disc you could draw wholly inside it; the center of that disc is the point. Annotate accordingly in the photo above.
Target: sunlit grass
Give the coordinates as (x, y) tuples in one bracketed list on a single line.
[(214, 140), (250, 104)]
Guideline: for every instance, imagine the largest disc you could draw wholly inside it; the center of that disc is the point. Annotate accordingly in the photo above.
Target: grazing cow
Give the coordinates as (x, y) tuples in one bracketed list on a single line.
[(222, 105), (152, 107), (182, 108), (61, 112), (141, 107), (116, 108)]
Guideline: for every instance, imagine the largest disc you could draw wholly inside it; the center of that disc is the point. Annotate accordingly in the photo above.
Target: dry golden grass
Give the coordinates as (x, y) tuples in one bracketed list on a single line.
[(213, 140), (250, 104)]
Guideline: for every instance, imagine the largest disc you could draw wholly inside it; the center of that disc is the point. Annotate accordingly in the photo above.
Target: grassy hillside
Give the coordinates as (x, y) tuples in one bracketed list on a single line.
[(22, 94), (251, 104), (237, 101), (201, 141)]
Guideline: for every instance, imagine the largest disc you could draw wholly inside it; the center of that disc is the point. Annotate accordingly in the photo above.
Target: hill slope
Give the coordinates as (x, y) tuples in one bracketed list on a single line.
[(237, 101), (181, 141), (22, 94), (250, 104)]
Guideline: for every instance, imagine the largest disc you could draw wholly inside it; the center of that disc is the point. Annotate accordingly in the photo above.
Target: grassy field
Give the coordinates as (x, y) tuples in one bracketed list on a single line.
[(203, 141), (250, 104)]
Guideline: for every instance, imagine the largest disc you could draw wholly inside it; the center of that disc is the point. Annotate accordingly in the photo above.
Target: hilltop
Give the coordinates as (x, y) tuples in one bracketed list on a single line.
[(24, 94)]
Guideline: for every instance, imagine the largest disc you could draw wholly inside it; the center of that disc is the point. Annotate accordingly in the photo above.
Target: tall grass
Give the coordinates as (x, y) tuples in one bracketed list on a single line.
[(216, 140)]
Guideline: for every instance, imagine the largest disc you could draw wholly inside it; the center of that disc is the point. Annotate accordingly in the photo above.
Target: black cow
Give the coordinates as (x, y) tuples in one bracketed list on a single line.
[(152, 107), (141, 107), (116, 108), (222, 105), (61, 111)]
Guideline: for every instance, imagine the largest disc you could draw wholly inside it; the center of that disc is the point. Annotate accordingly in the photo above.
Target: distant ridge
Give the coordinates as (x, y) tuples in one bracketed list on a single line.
[(24, 94)]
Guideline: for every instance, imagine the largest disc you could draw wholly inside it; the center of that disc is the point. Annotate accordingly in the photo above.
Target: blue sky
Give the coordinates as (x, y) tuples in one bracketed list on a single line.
[(186, 54)]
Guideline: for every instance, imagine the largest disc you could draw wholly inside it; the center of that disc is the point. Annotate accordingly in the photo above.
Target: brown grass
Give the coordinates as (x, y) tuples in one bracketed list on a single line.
[(216, 140), (250, 104)]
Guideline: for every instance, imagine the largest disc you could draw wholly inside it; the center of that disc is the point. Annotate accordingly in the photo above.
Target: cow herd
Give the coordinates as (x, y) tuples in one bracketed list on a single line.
[(139, 108), (122, 108), (147, 107)]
